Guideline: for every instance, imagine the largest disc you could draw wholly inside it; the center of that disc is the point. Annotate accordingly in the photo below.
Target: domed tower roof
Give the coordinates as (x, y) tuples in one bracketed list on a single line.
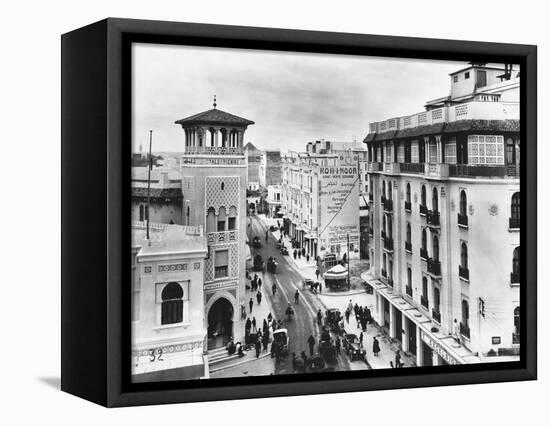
[(216, 117)]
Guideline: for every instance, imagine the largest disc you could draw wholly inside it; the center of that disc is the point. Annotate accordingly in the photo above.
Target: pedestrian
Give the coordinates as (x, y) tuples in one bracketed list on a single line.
[(338, 345), (274, 325), (357, 319), (299, 254), (361, 340), (295, 254), (258, 347), (320, 287), (398, 359), (355, 308), (265, 341), (319, 317), (269, 317), (311, 343), (456, 331), (265, 327), (347, 315), (259, 283), (296, 297), (303, 251), (248, 325), (254, 324), (251, 304), (266, 234), (350, 306), (274, 348), (317, 273), (259, 297), (304, 356), (307, 258), (274, 289), (375, 347)]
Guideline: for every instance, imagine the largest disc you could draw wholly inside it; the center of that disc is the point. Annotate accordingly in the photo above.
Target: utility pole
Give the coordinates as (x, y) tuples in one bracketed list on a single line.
[(149, 180)]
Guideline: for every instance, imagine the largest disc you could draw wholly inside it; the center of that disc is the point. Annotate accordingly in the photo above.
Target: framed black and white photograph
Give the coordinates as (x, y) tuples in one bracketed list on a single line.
[(290, 212)]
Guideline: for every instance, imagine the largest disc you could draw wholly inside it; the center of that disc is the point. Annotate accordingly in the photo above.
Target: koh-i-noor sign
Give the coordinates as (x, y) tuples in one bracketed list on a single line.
[(339, 204)]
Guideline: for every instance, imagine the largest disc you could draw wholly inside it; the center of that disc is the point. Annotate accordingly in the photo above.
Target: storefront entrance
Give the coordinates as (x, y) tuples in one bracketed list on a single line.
[(427, 355), (411, 332), (398, 325), (220, 323)]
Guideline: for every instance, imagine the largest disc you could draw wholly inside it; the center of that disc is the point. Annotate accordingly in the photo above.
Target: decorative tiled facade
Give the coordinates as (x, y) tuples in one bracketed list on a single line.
[(227, 197)]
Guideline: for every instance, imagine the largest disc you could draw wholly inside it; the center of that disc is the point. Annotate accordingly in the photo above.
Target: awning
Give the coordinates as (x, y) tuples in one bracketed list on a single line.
[(337, 272)]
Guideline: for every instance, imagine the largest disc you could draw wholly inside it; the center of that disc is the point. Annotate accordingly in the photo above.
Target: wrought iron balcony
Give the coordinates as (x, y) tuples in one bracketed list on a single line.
[(417, 168), (424, 301), (424, 254), (423, 209), (465, 330), (514, 223), (388, 205), (436, 315), (409, 290), (514, 278), (391, 168), (461, 170), (463, 272), (408, 206), (462, 220), (432, 218), (374, 166), (408, 246), (434, 267)]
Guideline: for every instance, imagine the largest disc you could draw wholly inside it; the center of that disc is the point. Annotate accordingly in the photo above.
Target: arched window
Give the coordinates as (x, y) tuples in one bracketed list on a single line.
[(390, 227), (384, 224), (172, 304), (384, 265), (423, 195), (515, 207), (211, 220), (232, 219), (464, 256), (409, 277), (465, 318), (434, 200), (435, 248), (437, 299), (222, 218), (424, 299), (515, 261), (409, 233), (463, 203), (515, 336), (424, 240), (408, 193)]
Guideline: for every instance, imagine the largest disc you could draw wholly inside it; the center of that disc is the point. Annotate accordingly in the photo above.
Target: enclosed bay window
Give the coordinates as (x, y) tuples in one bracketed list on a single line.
[(485, 150)]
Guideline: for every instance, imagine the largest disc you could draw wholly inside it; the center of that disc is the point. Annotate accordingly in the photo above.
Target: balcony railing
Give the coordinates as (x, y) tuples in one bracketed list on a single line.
[(514, 278), (423, 209), (391, 168), (436, 315), (434, 267), (465, 330), (462, 220), (388, 244), (374, 167), (213, 150), (460, 170), (513, 223), (408, 206), (388, 205), (221, 237), (417, 168), (408, 246), (432, 218), (424, 301), (424, 254), (463, 272), (409, 291), (515, 338)]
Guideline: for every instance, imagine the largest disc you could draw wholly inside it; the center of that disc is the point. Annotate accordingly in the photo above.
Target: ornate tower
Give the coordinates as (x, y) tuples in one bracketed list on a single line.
[(214, 173)]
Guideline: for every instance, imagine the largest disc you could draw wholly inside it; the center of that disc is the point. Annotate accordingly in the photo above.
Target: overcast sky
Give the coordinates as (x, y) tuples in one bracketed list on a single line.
[(292, 97)]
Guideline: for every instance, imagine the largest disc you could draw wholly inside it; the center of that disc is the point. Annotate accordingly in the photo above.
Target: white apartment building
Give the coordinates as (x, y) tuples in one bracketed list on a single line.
[(320, 197), (444, 221)]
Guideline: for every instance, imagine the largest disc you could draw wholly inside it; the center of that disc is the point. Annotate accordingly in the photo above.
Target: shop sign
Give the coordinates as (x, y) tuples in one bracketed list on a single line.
[(438, 349)]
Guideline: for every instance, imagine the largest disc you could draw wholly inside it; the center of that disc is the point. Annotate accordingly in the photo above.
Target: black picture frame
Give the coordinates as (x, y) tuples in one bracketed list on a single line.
[(95, 205)]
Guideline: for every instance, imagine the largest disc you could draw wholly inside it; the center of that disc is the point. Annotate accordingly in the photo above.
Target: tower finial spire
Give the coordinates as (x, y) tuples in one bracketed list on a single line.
[(215, 104)]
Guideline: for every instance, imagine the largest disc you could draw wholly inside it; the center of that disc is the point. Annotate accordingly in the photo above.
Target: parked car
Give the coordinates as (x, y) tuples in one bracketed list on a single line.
[(352, 347)]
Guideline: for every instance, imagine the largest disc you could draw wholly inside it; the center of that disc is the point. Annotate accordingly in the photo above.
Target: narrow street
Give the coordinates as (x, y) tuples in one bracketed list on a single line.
[(289, 280)]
